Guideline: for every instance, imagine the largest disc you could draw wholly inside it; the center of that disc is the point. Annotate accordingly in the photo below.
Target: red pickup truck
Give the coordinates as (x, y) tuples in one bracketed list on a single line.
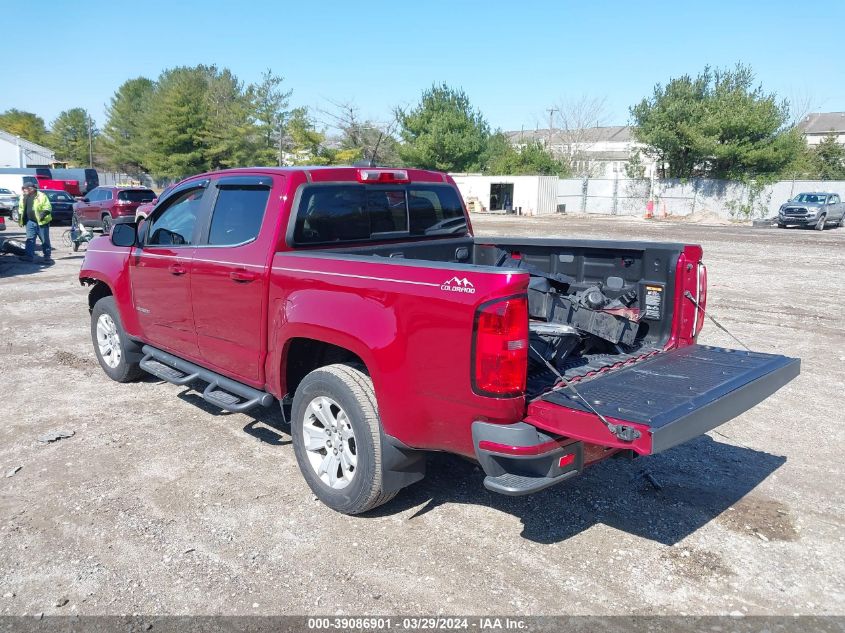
[(360, 300)]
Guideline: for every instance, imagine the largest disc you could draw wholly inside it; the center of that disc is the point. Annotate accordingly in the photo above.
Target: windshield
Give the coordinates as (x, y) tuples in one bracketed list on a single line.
[(812, 198), (58, 196), (5, 192), (136, 195)]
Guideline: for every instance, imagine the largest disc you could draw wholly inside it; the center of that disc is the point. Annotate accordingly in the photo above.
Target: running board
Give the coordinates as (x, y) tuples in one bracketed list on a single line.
[(222, 392)]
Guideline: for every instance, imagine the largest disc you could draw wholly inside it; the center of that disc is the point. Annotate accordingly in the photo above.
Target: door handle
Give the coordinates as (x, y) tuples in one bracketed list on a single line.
[(177, 269), (243, 276)]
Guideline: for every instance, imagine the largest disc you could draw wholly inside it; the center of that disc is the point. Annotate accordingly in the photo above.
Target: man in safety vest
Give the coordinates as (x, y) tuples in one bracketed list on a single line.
[(35, 214)]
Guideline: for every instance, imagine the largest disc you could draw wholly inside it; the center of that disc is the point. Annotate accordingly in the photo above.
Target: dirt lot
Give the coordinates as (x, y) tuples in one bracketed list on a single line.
[(157, 504)]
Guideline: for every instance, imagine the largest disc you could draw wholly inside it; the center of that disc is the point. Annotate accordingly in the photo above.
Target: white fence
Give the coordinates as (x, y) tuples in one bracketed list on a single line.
[(725, 198)]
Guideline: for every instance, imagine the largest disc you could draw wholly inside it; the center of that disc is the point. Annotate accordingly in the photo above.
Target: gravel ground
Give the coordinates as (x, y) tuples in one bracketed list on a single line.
[(158, 504)]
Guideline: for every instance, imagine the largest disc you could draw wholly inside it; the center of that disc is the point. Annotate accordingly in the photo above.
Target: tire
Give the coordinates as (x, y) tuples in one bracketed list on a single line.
[(14, 215), (842, 221), (781, 226), (107, 223), (820, 224), (339, 398), (107, 333)]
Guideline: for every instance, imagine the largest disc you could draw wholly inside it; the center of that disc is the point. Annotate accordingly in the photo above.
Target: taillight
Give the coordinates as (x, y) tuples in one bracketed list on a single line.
[(500, 348), (700, 298)]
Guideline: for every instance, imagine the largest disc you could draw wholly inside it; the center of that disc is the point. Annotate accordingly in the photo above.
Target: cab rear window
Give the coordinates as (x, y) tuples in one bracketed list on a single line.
[(359, 213)]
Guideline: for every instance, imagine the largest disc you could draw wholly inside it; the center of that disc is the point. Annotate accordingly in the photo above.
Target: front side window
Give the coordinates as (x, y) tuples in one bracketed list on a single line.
[(106, 194), (175, 225), (94, 195), (355, 213), (237, 215)]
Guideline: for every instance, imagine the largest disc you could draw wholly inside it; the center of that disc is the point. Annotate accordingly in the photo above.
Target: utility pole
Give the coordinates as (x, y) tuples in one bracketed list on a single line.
[(281, 132), (90, 144), (551, 112)]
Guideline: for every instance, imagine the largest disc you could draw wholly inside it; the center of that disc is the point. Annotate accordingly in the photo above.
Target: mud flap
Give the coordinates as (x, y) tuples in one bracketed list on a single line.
[(671, 398)]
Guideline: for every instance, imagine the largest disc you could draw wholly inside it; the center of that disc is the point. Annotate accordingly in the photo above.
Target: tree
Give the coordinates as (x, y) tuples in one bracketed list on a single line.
[(362, 139), (69, 136), (122, 140), (307, 144), (269, 109), (717, 124), (443, 131), (575, 124), (529, 159), (27, 125), (229, 137), (828, 159), (175, 121)]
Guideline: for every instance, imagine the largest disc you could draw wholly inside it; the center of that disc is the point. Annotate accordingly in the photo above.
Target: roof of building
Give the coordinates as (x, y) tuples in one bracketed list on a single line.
[(609, 133), (29, 146), (823, 123)]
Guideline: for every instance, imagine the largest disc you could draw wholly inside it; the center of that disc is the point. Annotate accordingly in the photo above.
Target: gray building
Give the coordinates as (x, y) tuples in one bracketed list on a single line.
[(18, 152), (597, 152), (815, 127)]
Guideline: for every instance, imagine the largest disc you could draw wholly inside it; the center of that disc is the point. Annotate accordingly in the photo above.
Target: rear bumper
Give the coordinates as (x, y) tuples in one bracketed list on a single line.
[(518, 459)]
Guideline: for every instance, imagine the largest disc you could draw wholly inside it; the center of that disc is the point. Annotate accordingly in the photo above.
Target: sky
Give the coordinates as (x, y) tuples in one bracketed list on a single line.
[(513, 59)]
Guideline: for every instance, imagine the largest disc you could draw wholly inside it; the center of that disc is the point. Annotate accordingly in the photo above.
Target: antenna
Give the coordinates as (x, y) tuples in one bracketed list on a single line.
[(375, 150)]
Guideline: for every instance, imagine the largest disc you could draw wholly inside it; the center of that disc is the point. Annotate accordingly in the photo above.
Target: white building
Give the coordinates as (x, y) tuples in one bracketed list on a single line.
[(815, 127), (522, 195), (18, 152), (597, 152)]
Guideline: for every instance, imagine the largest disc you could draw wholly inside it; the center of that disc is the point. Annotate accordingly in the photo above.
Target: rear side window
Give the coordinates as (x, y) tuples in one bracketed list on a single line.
[(136, 195), (237, 215), (355, 213)]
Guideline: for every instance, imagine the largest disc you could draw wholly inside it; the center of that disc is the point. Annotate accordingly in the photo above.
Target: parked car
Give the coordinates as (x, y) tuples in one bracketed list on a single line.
[(8, 201), (62, 203), (146, 209), (360, 301), (816, 209), (100, 207)]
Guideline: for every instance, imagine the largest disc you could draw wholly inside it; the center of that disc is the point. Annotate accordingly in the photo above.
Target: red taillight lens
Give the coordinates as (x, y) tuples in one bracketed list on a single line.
[(500, 361)]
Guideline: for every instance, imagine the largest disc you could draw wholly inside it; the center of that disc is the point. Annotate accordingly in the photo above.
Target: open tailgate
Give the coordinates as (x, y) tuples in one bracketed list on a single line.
[(668, 399)]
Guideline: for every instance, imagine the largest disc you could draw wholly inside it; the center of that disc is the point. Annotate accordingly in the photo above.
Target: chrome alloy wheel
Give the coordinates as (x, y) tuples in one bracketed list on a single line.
[(329, 442), (108, 340)]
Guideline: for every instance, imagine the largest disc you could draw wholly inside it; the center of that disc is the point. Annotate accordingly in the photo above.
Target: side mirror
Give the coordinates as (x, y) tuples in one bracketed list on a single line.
[(125, 234), (85, 199)]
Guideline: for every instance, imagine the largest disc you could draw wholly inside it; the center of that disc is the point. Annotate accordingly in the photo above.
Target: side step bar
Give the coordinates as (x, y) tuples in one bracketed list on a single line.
[(222, 392)]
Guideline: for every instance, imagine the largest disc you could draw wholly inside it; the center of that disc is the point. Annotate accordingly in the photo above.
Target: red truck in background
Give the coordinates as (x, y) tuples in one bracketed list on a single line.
[(70, 186), (361, 301)]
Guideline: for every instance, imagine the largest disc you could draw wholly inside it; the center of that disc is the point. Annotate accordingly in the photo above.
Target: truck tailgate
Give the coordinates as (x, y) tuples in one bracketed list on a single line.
[(669, 398)]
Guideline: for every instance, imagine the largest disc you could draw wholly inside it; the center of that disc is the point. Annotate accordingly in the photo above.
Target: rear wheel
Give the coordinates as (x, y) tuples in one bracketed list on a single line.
[(842, 221), (337, 438), (820, 224), (781, 226), (107, 223), (15, 215), (115, 352)]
